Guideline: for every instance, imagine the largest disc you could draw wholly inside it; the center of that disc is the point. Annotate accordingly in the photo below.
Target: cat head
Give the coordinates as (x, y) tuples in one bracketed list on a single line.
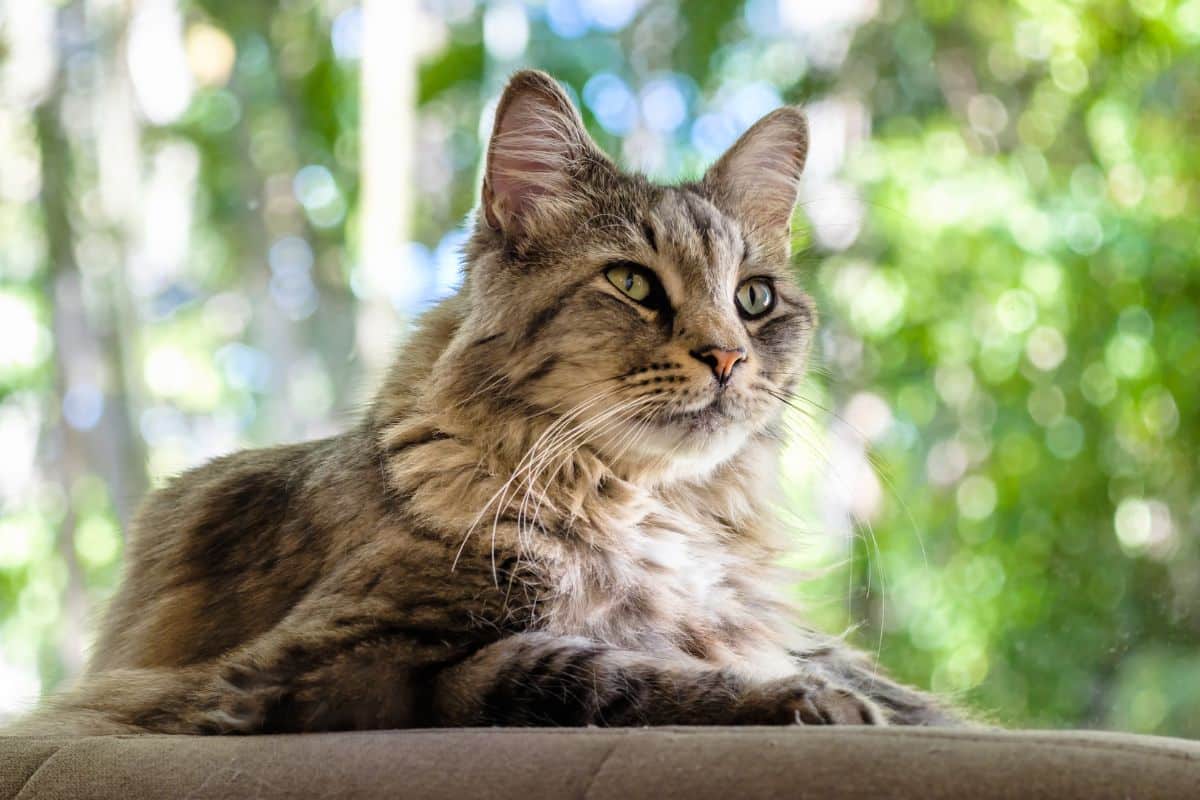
[(658, 322)]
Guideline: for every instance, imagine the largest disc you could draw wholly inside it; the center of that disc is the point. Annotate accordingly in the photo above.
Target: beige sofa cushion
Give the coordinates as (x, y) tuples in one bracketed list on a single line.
[(687, 763)]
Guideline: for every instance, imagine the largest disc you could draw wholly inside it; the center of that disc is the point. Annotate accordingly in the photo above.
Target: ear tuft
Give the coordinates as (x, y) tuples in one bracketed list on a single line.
[(537, 147), (758, 178)]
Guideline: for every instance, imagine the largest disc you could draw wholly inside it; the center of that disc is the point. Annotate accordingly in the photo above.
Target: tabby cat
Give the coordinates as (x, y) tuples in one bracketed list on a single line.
[(557, 510)]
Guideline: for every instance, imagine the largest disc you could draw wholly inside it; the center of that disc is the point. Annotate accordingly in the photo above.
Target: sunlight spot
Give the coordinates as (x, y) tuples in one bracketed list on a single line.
[(97, 541), (1016, 310), (210, 54), (24, 341), (158, 66), (505, 30), (976, 497), (1145, 527), (1046, 348), (947, 462), (19, 688), (869, 415)]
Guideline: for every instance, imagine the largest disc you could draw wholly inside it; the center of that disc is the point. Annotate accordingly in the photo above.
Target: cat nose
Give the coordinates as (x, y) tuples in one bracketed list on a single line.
[(722, 360)]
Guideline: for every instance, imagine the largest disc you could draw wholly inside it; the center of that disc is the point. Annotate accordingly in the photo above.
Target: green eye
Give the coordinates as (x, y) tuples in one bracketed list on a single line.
[(755, 297), (633, 281)]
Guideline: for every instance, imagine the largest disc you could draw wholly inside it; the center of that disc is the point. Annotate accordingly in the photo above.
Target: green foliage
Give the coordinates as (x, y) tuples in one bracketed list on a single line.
[(1029, 184)]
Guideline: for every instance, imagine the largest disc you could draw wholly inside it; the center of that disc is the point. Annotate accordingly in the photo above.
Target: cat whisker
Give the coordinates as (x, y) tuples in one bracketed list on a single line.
[(617, 416), (871, 536), (877, 465), (503, 490), (529, 463), (633, 436), (531, 457)]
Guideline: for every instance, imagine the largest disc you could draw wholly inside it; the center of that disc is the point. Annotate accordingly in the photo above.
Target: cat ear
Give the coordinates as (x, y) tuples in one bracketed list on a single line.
[(538, 151), (758, 178)]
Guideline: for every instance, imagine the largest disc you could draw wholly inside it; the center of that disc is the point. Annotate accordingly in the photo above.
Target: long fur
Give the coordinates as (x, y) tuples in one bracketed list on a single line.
[(551, 514)]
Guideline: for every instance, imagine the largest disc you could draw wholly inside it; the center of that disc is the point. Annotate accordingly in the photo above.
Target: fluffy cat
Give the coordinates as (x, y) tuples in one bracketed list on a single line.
[(557, 511)]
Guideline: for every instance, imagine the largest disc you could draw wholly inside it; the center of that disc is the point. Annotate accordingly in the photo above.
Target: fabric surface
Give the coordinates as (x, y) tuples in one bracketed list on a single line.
[(664, 763)]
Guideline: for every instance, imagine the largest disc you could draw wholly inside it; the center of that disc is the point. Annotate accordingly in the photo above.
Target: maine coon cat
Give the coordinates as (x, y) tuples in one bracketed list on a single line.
[(557, 510)]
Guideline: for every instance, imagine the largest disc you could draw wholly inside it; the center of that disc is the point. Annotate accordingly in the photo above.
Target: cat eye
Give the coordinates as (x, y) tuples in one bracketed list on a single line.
[(755, 297), (637, 283)]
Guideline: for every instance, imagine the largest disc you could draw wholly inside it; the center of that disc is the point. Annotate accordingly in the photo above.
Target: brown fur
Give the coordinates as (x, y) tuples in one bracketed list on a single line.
[(552, 513)]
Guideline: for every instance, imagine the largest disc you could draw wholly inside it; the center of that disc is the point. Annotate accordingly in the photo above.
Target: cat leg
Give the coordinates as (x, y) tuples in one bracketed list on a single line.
[(540, 679), (57, 718)]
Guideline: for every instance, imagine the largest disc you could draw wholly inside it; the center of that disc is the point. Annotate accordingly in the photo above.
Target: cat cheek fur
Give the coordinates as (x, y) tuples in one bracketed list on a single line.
[(551, 513)]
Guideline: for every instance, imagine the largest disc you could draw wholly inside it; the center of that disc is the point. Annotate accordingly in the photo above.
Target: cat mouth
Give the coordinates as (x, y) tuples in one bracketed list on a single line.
[(709, 417)]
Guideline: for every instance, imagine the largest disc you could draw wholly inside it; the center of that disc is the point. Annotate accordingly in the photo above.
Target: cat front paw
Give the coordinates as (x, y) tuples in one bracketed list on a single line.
[(808, 700), (235, 702)]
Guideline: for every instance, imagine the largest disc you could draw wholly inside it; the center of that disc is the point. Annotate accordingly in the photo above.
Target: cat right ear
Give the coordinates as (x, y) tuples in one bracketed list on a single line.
[(537, 152), (758, 178)]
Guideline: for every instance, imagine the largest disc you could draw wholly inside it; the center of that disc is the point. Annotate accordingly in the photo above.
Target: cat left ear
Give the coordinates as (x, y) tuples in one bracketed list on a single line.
[(758, 178), (537, 152)]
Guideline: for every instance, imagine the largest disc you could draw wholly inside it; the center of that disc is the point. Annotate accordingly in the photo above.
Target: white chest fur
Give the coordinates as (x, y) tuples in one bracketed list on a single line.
[(669, 582)]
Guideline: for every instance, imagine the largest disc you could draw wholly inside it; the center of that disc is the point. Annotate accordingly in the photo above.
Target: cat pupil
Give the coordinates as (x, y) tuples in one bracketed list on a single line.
[(754, 297)]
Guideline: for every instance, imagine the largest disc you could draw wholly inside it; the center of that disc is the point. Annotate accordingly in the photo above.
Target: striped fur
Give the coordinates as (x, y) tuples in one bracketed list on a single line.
[(551, 514)]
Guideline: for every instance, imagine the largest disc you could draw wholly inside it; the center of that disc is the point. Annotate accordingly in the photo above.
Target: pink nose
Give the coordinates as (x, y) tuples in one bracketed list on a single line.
[(722, 360)]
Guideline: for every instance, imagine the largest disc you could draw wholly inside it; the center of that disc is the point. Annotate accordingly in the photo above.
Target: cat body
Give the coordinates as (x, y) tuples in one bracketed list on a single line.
[(557, 511)]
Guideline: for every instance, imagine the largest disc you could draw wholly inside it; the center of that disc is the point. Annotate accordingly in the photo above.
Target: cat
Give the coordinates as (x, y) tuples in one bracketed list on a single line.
[(557, 510)]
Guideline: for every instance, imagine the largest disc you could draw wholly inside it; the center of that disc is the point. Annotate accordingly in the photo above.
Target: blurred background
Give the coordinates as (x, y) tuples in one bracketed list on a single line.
[(217, 216)]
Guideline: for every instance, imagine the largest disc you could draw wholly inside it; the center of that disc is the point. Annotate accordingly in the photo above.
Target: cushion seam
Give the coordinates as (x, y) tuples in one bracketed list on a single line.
[(50, 757), (587, 791)]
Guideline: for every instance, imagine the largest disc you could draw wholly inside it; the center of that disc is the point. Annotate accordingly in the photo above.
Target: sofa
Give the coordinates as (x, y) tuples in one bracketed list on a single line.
[(688, 763)]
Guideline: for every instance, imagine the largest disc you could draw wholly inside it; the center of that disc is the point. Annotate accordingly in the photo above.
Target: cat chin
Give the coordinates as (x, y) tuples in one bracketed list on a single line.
[(682, 453)]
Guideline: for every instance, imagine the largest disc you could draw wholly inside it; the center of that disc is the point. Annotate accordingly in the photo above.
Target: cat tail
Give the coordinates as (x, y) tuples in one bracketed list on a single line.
[(57, 719), (120, 701)]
